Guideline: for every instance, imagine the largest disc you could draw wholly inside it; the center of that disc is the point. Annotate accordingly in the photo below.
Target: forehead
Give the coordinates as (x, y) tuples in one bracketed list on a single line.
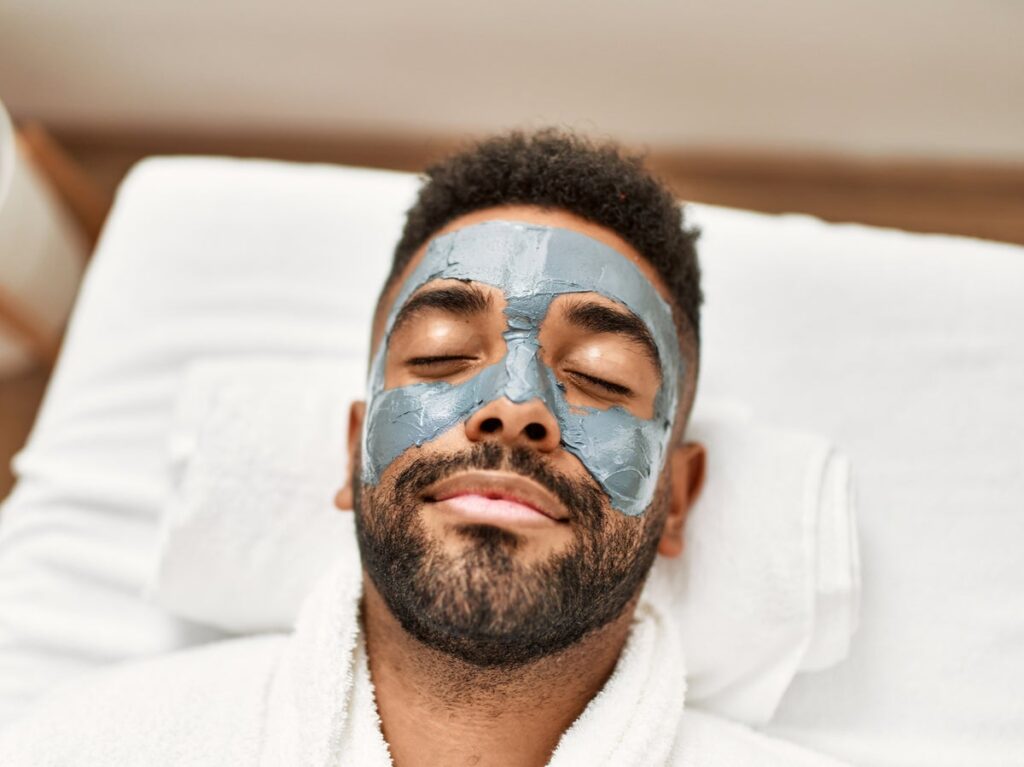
[(535, 263), (567, 258)]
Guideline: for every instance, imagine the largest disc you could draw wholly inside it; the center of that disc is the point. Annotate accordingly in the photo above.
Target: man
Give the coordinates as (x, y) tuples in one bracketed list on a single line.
[(519, 464)]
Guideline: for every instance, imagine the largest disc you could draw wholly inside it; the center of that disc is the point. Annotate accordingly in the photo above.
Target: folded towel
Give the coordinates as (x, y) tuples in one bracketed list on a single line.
[(307, 700), (768, 584)]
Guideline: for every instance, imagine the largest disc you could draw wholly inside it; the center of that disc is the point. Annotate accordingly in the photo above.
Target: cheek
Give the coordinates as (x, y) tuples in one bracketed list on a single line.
[(655, 515), (447, 444)]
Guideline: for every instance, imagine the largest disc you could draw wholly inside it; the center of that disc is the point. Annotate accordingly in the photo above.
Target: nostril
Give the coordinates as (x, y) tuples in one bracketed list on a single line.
[(490, 425), (536, 431)]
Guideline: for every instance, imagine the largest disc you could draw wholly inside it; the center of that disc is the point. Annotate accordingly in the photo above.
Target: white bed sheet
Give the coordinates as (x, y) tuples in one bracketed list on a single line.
[(904, 349)]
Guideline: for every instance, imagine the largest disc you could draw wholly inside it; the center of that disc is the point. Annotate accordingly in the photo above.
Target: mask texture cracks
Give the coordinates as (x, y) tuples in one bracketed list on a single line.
[(532, 265)]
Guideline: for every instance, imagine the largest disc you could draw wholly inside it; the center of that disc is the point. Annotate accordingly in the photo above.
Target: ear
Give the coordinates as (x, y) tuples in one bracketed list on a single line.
[(344, 499), (688, 465)]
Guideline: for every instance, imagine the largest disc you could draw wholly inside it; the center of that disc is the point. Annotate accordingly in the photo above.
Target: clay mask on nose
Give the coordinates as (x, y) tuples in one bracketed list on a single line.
[(532, 265)]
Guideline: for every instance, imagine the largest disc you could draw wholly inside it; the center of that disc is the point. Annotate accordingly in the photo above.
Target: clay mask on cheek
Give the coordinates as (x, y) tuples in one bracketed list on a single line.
[(533, 265)]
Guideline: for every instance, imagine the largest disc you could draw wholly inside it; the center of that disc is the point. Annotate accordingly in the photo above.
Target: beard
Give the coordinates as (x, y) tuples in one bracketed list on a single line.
[(482, 605)]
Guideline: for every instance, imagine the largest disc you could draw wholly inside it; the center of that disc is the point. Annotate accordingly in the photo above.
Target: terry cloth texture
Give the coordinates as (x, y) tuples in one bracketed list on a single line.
[(306, 700)]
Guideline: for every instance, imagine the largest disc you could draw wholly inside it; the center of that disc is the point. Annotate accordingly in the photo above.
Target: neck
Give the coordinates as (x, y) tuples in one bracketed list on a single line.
[(436, 709)]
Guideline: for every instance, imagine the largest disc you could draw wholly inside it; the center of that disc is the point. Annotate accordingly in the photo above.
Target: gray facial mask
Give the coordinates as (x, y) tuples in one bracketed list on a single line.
[(533, 265)]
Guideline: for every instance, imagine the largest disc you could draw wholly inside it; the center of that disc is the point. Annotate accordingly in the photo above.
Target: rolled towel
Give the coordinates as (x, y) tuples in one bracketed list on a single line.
[(257, 452), (768, 584)]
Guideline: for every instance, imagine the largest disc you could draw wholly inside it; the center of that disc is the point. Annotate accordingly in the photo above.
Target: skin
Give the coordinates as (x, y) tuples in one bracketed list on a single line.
[(439, 710)]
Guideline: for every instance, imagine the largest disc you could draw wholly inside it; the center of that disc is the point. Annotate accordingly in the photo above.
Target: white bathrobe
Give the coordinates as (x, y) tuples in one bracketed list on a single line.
[(306, 700)]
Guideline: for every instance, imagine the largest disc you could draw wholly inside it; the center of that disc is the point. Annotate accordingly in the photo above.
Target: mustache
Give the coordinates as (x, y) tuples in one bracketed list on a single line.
[(583, 499)]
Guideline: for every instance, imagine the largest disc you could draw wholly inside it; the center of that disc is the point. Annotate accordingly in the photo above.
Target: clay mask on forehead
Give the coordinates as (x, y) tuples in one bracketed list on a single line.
[(533, 265)]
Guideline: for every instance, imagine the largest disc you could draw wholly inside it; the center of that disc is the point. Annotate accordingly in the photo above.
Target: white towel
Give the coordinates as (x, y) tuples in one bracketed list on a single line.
[(257, 454), (768, 584), (306, 700)]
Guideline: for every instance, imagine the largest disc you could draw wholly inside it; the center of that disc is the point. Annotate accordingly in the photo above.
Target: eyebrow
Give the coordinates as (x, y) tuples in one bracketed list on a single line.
[(459, 300), (598, 318)]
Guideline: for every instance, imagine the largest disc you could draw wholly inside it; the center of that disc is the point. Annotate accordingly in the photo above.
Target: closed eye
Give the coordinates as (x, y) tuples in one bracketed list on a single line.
[(609, 387), (438, 360), (440, 366)]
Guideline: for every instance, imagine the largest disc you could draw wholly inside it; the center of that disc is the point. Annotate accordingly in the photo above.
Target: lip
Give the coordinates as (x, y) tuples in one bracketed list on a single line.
[(499, 485)]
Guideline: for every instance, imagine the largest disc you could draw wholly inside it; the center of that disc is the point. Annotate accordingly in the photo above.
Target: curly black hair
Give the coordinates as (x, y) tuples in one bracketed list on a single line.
[(555, 169)]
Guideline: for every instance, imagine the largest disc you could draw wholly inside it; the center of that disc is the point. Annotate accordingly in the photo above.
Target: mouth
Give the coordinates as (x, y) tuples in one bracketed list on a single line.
[(497, 497)]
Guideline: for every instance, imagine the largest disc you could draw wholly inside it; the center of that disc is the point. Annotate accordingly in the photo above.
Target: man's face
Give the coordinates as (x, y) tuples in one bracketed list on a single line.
[(496, 514)]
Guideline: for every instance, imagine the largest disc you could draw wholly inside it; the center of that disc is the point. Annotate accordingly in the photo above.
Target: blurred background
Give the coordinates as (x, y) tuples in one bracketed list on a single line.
[(906, 114)]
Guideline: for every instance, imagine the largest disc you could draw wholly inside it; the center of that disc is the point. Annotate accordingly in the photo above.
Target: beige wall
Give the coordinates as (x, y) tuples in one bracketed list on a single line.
[(921, 78)]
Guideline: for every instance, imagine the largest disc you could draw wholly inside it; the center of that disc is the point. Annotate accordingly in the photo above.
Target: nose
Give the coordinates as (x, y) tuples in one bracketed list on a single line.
[(525, 424)]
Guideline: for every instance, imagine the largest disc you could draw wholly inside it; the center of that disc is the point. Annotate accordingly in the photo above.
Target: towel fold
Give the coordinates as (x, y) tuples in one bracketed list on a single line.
[(768, 584)]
